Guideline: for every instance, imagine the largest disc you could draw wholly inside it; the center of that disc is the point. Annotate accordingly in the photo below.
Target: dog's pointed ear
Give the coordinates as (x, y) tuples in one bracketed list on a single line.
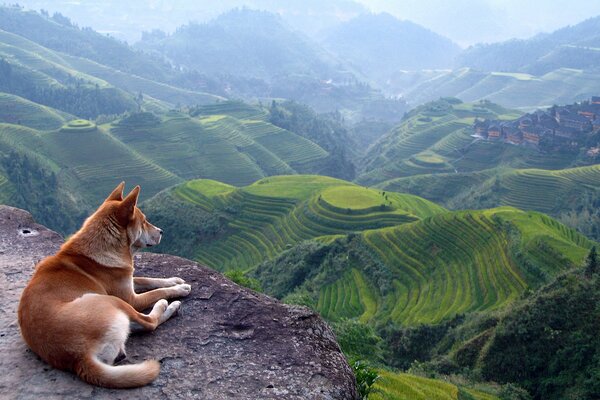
[(117, 194), (128, 204)]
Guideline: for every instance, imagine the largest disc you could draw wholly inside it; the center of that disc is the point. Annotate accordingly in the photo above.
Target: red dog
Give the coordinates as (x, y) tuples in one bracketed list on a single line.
[(76, 311)]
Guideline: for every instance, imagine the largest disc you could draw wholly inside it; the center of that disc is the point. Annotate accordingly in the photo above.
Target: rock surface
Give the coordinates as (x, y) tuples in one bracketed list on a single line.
[(227, 343)]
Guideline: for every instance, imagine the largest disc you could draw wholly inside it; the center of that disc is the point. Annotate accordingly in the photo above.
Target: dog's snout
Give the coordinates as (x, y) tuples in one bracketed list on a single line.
[(160, 231)]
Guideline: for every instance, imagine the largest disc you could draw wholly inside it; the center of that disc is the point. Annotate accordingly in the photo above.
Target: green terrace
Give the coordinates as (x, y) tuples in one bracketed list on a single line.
[(434, 138), (402, 386), (528, 189), (275, 213), (19, 111)]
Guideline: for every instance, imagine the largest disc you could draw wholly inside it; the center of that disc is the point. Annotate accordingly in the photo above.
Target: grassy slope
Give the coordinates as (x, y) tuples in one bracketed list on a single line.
[(401, 386), (154, 151), (27, 54), (437, 264), (87, 158), (542, 190), (136, 84), (50, 67), (432, 139), (463, 262), (561, 86), (220, 146), (274, 213), (17, 110)]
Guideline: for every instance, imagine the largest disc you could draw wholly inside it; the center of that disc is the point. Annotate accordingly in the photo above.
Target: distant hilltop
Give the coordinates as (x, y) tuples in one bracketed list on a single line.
[(555, 128)]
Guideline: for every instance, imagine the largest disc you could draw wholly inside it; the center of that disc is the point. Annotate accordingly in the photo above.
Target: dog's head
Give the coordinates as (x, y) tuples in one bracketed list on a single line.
[(140, 233)]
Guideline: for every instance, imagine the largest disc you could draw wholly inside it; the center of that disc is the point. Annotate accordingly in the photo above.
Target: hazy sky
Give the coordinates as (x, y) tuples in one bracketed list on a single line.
[(464, 21), (470, 21)]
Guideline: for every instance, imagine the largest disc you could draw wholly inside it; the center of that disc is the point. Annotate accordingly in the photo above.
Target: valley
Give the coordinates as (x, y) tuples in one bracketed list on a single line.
[(434, 204)]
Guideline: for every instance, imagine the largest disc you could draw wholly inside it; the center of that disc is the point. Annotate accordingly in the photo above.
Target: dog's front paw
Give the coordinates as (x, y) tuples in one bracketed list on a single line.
[(183, 289), (175, 281)]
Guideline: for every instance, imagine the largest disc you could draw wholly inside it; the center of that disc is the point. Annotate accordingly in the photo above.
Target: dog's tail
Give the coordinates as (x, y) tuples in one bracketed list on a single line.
[(93, 371)]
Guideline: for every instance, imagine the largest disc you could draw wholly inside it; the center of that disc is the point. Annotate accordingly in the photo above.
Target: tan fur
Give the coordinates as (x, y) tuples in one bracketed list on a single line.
[(76, 311)]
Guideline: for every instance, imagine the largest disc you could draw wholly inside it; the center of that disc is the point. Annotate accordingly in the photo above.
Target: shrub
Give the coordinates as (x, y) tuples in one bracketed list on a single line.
[(365, 378), (239, 277)]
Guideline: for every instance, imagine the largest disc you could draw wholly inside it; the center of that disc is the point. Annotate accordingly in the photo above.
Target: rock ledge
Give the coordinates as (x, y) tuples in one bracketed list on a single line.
[(228, 343)]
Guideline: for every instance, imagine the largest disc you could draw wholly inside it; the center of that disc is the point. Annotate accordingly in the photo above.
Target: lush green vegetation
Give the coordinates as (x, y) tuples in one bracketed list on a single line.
[(218, 146), (328, 131), (263, 219), (19, 111), (28, 184), (559, 85), (571, 194), (428, 271), (434, 138)]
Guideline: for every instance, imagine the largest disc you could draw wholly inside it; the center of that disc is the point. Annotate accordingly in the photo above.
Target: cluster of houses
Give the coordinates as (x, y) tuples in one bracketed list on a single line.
[(559, 125)]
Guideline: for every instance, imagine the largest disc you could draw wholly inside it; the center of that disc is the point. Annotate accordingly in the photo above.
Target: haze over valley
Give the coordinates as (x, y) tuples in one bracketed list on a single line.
[(423, 175)]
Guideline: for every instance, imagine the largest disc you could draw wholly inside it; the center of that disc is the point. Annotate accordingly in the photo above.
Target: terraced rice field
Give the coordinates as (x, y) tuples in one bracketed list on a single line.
[(19, 111), (516, 90), (425, 145), (220, 147), (461, 262), (136, 84), (349, 297), (236, 109), (99, 162), (266, 221), (543, 190), (437, 264), (401, 386)]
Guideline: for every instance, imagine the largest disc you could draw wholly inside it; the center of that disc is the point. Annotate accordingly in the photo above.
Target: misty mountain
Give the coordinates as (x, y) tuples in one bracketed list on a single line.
[(380, 45), (244, 42), (58, 33), (575, 46), (127, 20)]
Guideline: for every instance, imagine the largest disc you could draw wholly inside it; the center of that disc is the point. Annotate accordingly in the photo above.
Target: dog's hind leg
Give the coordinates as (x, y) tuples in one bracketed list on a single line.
[(112, 346), (144, 300), (161, 312)]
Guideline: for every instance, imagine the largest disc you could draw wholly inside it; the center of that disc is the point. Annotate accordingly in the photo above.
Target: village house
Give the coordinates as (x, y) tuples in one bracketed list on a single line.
[(559, 125), (514, 135), (494, 132)]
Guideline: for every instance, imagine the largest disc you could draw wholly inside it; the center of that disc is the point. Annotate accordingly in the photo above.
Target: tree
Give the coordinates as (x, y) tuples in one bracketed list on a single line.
[(591, 264)]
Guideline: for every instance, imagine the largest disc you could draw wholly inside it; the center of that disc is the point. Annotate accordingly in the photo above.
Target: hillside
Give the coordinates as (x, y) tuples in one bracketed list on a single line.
[(244, 42), (58, 33), (574, 200), (78, 85), (527, 91), (19, 111), (427, 271), (219, 146), (379, 45), (240, 228), (40, 75), (483, 259), (433, 138), (256, 55), (230, 142), (570, 47)]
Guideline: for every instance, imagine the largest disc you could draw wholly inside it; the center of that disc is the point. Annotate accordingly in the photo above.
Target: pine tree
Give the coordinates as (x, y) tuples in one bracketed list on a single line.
[(591, 264)]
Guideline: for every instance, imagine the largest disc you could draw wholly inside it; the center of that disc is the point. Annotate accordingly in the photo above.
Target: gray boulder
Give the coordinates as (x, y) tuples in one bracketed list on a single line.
[(227, 343)]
